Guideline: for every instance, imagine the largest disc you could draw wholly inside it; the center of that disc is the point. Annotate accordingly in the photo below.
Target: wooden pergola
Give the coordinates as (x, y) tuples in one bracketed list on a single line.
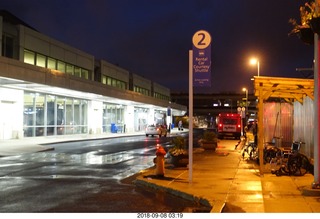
[(289, 89)]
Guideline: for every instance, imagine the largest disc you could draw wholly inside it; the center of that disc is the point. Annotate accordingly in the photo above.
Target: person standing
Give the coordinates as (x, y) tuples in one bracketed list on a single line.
[(180, 128)]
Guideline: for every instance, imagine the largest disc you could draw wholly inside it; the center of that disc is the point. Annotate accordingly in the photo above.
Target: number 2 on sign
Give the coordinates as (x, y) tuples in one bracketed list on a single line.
[(201, 39), (201, 43)]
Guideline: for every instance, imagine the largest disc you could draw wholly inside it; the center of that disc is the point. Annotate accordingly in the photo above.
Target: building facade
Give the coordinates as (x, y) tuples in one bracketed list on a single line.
[(50, 88)]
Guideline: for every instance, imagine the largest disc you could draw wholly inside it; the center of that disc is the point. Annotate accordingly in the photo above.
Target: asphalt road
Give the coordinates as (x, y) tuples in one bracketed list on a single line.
[(85, 176)]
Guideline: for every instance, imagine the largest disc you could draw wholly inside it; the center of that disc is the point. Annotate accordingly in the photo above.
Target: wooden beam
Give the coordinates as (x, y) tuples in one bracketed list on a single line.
[(286, 88)]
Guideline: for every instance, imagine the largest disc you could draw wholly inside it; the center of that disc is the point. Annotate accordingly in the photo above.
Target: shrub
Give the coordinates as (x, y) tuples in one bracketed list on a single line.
[(179, 146), (209, 136)]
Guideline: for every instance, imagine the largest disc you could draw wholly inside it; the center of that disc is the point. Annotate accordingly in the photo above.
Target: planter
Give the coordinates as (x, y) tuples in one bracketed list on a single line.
[(315, 25), (306, 35), (180, 160), (209, 145)]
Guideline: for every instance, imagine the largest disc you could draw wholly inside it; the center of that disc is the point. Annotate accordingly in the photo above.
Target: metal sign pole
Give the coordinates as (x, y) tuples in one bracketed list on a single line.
[(199, 75), (316, 183), (190, 115)]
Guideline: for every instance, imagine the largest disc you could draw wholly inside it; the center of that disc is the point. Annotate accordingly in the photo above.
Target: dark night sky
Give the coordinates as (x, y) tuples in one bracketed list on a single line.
[(152, 38)]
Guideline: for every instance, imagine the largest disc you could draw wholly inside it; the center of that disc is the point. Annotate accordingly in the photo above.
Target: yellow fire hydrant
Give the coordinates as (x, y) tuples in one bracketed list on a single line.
[(159, 161)]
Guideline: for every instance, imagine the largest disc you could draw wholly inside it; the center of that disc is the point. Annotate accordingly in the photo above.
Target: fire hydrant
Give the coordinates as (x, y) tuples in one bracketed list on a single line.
[(159, 161)]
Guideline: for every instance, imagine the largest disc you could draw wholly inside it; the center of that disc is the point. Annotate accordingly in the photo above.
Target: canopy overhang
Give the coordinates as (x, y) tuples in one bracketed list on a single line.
[(290, 89)]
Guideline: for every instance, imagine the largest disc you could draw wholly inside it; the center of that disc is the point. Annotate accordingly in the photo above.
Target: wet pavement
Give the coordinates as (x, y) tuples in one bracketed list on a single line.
[(225, 182), (221, 181), (83, 176)]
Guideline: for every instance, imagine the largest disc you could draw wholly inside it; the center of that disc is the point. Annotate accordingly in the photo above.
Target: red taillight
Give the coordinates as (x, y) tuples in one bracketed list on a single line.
[(220, 125)]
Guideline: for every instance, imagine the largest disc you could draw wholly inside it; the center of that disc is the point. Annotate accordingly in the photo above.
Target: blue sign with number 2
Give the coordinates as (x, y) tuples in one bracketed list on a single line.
[(201, 59)]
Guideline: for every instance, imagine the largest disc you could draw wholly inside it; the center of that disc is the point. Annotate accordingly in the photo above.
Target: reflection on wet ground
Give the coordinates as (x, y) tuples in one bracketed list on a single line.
[(72, 183), (93, 157), (83, 181), (96, 164)]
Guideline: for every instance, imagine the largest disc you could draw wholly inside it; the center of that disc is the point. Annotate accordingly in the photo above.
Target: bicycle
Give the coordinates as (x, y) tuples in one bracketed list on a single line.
[(273, 152), (299, 164), (270, 153), (251, 150), (277, 155), (292, 162)]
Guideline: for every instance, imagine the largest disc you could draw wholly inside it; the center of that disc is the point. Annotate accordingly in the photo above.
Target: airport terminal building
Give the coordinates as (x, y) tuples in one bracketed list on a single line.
[(48, 88)]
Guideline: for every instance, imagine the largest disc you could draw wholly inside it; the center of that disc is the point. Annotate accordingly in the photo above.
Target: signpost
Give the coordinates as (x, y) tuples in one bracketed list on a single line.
[(242, 112), (201, 58), (199, 75)]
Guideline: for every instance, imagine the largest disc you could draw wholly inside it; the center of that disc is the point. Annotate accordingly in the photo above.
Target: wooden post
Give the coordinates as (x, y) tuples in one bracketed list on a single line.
[(260, 130), (316, 183)]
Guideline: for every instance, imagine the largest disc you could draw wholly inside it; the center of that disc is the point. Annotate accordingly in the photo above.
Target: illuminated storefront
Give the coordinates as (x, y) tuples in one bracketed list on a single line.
[(46, 115), (48, 88)]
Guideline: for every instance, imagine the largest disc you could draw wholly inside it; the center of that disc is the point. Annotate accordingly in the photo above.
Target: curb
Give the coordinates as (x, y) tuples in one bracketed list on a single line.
[(189, 197), (218, 207), (47, 149), (309, 191)]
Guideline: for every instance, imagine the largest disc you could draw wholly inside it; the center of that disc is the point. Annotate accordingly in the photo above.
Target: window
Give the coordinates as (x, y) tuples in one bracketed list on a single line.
[(109, 81), (61, 66), (114, 83), (84, 73), (29, 57), (41, 60), (122, 85), (70, 69), (77, 71), (119, 84), (112, 113), (104, 79), (52, 63)]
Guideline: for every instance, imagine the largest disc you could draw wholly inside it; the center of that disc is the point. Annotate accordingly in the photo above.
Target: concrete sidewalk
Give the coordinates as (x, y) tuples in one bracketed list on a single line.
[(224, 182)]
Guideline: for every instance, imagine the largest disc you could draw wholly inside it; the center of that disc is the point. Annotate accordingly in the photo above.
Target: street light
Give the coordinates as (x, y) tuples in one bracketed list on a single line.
[(255, 61), (246, 90), (243, 114)]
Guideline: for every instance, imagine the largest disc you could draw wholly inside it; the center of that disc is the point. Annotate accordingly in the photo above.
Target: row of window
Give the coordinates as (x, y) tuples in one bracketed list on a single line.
[(40, 60), (161, 96), (46, 115), (114, 82), (141, 90)]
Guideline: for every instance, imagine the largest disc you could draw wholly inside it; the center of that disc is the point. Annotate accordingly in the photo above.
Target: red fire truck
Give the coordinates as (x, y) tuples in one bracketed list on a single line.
[(229, 125)]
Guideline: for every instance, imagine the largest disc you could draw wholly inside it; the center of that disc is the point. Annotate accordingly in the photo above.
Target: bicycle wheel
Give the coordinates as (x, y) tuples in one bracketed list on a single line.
[(269, 154), (244, 151), (298, 164), (252, 151), (293, 165), (305, 164)]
